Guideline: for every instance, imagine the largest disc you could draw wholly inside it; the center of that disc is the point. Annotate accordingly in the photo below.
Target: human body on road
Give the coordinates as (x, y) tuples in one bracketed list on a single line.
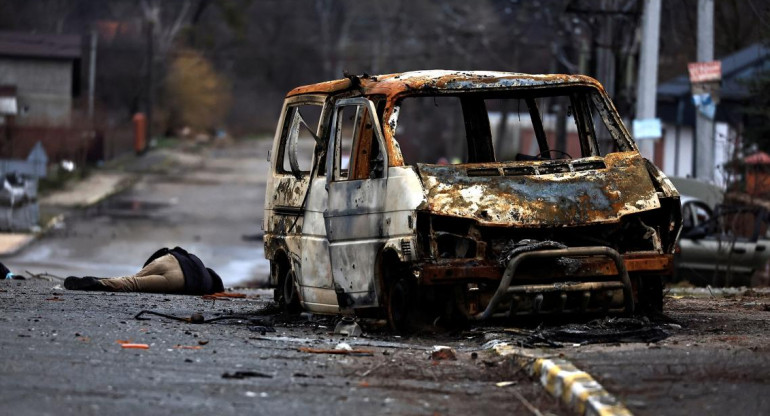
[(166, 271)]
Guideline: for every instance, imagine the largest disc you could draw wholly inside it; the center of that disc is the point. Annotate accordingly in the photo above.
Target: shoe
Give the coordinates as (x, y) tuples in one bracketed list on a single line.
[(83, 283)]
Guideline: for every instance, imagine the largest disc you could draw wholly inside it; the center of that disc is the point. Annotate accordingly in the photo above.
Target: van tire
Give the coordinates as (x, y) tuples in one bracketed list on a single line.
[(286, 293), (649, 292), (400, 305)]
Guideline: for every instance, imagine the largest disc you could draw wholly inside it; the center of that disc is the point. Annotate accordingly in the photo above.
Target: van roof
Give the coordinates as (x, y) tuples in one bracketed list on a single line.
[(397, 84)]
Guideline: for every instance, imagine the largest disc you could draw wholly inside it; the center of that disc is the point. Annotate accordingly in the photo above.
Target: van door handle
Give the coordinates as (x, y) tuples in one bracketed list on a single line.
[(759, 248), (739, 250)]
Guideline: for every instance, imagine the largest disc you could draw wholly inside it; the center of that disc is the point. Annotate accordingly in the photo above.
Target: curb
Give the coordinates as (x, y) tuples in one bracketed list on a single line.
[(561, 379), (124, 184)]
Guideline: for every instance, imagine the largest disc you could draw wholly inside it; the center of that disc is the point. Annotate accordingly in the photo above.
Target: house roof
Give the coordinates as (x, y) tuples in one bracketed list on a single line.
[(759, 158), (736, 68), (36, 45)]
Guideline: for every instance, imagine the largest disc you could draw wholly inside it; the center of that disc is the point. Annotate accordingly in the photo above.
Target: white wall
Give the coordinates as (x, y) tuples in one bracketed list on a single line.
[(43, 88), (723, 148), (670, 167)]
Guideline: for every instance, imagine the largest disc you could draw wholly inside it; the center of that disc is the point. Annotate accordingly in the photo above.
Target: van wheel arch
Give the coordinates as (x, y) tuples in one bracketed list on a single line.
[(283, 279), (399, 291)]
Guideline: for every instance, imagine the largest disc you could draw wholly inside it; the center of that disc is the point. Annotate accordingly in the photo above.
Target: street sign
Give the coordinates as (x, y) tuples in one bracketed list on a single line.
[(648, 128), (705, 71)]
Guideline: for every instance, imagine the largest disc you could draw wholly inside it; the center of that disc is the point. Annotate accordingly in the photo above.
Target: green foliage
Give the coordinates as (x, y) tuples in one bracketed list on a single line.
[(198, 97)]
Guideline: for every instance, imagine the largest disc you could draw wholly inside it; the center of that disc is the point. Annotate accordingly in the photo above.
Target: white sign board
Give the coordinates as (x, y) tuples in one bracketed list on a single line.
[(648, 128)]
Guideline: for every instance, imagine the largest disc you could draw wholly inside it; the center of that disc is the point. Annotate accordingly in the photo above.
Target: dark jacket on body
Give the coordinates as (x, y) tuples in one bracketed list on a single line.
[(198, 279)]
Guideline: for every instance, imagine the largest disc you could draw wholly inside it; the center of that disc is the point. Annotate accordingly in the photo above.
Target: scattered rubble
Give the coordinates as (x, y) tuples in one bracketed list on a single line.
[(441, 353)]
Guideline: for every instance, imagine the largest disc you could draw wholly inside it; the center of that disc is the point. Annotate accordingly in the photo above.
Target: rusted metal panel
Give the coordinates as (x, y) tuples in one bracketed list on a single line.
[(451, 272), (550, 200), (395, 84)]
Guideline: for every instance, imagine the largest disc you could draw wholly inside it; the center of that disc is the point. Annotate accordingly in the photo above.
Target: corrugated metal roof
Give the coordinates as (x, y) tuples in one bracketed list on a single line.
[(35, 45), (759, 158)]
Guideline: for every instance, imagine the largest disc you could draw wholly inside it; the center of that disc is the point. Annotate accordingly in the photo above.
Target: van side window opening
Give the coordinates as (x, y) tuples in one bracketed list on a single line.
[(430, 129), (348, 120), (300, 124), (471, 128), (357, 154)]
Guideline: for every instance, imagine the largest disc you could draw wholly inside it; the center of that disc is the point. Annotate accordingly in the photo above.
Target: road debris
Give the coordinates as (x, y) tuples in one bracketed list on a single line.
[(349, 327), (44, 276), (441, 353), (353, 352), (135, 346), (505, 383), (343, 346), (600, 331), (239, 375), (258, 325), (220, 295), (187, 347)]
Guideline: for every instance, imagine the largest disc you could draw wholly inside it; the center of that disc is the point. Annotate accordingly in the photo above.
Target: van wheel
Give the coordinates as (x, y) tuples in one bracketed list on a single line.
[(286, 293), (649, 292), (400, 305)]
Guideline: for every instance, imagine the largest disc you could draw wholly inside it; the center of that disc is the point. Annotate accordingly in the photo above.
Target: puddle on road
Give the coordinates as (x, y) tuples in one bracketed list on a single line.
[(128, 208), (240, 272)]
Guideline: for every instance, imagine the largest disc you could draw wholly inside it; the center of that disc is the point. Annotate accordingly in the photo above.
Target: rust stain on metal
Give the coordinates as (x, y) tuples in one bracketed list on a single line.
[(559, 199)]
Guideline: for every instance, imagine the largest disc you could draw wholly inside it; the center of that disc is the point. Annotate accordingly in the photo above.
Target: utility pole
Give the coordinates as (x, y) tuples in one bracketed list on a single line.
[(703, 151), (150, 88), (646, 93), (92, 76), (605, 56)]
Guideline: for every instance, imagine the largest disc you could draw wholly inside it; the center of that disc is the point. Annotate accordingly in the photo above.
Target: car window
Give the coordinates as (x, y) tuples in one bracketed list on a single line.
[(358, 153), (516, 135), (431, 130), (347, 125), (300, 124), (559, 123)]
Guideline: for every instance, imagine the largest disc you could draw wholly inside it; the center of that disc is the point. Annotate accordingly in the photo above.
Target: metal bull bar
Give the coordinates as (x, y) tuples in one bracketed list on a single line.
[(505, 283)]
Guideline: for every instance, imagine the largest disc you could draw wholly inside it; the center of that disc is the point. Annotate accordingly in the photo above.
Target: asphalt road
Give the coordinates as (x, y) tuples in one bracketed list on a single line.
[(62, 356), (61, 351), (204, 200)]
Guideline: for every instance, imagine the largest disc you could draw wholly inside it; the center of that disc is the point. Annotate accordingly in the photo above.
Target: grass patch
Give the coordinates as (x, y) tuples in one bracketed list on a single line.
[(59, 179)]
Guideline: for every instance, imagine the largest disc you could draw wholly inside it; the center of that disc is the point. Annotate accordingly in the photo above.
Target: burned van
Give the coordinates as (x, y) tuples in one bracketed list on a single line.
[(502, 194)]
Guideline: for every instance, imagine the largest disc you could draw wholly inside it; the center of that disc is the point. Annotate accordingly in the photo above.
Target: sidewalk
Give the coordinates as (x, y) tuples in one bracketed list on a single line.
[(98, 186), (12, 242), (95, 188)]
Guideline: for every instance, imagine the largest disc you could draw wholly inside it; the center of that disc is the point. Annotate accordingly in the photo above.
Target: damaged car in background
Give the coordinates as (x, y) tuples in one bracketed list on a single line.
[(460, 192), (724, 246)]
